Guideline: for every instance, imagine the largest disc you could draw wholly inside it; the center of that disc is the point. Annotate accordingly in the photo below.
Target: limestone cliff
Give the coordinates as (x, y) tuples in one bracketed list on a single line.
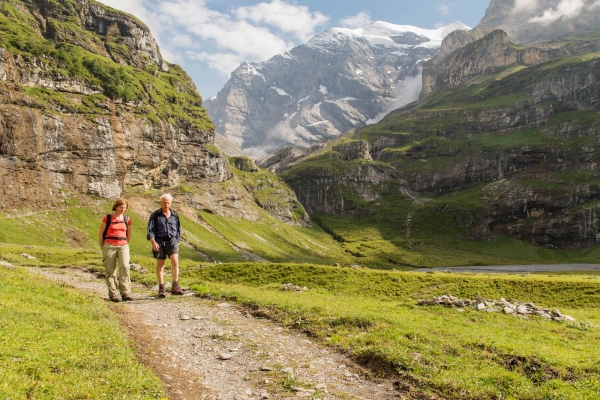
[(88, 106), (513, 152)]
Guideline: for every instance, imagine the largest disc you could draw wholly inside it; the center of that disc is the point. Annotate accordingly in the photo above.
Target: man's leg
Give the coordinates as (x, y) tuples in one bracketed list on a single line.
[(160, 267), (175, 267), (175, 289)]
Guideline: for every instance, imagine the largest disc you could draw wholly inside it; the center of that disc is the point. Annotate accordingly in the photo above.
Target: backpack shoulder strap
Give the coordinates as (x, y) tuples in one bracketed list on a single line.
[(106, 227), (126, 220)]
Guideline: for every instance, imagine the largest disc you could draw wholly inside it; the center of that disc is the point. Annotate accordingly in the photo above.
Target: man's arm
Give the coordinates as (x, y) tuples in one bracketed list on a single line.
[(151, 232)]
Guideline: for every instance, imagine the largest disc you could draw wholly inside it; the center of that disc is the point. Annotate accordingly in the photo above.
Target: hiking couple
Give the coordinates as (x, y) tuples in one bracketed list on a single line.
[(164, 233)]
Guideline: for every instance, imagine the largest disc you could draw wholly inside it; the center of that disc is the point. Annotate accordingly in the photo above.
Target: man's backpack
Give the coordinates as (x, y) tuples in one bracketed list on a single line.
[(108, 222)]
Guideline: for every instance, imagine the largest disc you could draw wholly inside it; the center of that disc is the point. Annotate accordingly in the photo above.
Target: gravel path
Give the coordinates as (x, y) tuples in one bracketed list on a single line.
[(202, 349), (516, 269)]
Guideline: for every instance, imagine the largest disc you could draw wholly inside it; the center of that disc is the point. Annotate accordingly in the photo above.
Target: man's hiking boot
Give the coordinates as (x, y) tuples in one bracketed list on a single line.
[(175, 289), (162, 291), (127, 298), (115, 299)]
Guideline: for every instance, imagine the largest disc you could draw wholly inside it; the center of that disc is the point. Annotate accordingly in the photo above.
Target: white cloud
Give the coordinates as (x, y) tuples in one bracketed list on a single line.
[(223, 63), (297, 20), (565, 8), (444, 9), (190, 30), (524, 6), (356, 21)]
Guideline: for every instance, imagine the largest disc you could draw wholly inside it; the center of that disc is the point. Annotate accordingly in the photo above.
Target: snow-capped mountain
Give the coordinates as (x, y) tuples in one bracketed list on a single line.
[(338, 80)]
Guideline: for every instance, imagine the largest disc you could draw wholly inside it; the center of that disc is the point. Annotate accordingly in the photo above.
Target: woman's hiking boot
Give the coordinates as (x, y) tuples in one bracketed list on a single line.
[(161, 290), (175, 289)]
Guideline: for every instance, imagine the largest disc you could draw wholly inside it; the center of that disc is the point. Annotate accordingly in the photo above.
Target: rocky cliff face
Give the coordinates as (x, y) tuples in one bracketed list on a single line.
[(62, 131), (490, 54), (89, 107), (512, 152), (337, 81)]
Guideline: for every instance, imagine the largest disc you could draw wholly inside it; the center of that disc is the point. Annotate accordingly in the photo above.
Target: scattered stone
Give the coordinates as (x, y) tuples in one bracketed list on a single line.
[(354, 266), (288, 370), (302, 392), (510, 306), (27, 256), (184, 317), (264, 395), (321, 387), (266, 369), (6, 265), (225, 356), (289, 286), (198, 317), (138, 268)]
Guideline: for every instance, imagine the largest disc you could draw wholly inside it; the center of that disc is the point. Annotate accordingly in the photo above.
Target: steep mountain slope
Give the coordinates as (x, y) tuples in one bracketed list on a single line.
[(511, 152), (336, 81), (89, 109)]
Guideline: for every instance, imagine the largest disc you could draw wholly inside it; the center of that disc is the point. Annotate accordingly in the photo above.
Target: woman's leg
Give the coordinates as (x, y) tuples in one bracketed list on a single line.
[(124, 277), (109, 260)]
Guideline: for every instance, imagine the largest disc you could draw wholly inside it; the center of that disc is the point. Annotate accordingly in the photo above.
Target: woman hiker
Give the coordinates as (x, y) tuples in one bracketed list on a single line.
[(113, 236)]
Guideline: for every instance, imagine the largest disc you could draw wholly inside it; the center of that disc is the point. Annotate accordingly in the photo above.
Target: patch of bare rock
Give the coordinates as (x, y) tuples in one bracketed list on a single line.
[(512, 307)]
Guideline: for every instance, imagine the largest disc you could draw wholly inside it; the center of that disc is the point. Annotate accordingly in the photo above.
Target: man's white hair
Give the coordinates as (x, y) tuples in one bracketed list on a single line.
[(166, 196)]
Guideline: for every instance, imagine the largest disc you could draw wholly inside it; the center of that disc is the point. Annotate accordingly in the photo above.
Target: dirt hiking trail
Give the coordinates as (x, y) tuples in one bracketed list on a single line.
[(205, 349)]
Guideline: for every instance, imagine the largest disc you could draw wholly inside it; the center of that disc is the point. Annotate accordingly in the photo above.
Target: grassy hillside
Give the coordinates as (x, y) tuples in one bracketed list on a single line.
[(59, 344), (64, 49)]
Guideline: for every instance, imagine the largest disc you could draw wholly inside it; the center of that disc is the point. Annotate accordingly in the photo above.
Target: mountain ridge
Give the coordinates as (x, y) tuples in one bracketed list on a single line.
[(341, 79)]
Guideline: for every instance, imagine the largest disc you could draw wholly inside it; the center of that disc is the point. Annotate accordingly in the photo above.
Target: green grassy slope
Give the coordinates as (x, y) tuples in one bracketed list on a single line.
[(436, 351), (57, 343), (100, 61)]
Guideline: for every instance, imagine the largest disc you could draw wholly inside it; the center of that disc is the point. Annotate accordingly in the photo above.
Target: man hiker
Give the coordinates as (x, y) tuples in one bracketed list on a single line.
[(164, 234)]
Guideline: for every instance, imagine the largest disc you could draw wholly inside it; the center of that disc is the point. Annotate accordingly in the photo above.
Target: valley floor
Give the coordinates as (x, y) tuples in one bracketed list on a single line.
[(204, 349), (519, 269)]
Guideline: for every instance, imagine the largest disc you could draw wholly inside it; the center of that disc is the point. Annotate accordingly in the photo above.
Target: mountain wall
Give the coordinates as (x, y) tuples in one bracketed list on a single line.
[(507, 145), (337, 81), (88, 107)]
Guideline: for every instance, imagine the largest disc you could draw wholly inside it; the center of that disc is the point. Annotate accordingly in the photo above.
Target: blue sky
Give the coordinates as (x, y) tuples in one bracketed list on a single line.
[(210, 38)]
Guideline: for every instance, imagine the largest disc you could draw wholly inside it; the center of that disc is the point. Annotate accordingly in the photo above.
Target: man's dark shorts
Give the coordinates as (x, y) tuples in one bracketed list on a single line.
[(165, 251)]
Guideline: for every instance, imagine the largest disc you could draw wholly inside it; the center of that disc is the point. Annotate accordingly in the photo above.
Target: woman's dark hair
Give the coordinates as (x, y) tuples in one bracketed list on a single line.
[(120, 202)]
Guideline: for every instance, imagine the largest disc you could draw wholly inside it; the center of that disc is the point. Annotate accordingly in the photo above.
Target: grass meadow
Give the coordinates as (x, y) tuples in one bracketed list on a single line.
[(54, 338), (57, 343)]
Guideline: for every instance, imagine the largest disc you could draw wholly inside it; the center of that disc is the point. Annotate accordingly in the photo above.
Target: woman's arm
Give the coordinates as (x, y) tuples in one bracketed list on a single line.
[(100, 233)]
